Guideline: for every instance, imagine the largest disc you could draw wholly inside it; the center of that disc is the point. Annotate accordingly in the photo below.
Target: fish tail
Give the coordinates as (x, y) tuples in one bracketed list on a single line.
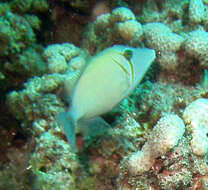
[(69, 125)]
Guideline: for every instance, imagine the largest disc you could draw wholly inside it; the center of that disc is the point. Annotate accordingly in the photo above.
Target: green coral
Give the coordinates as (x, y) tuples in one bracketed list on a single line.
[(15, 34), (29, 62), (36, 101), (52, 168), (19, 52), (4, 8), (34, 21), (23, 6)]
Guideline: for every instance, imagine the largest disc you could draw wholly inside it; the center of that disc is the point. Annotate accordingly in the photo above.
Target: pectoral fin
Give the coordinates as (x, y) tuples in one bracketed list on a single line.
[(93, 127)]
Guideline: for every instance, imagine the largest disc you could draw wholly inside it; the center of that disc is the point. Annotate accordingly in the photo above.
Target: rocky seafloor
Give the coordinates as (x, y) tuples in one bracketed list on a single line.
[(158, 139)]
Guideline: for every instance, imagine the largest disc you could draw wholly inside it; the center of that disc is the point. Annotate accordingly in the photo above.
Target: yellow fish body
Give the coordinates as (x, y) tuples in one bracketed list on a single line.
[(109, 77)]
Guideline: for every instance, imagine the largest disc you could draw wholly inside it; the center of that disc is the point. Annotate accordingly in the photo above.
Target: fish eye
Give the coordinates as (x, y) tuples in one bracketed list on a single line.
[(128, 54)]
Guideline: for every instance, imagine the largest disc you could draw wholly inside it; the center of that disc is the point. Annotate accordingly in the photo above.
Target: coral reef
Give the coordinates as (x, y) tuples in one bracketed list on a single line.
[(15, 170), (19, 52), (37, 100), (23, 6), (159, 37), (195, 115), (53, 159), (59, 56), (16, 34), (158, 134), (164, 136), (196, 46), (196, 11), (120, 26)]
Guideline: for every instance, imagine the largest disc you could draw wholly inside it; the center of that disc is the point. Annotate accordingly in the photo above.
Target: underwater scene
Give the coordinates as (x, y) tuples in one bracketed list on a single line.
[(104, 95)]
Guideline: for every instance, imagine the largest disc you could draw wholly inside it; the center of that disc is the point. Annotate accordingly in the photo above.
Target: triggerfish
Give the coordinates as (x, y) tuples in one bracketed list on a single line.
[(108, 78)]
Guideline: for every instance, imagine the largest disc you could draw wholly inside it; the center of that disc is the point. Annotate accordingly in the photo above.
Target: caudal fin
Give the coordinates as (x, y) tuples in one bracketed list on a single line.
[(69, 126)]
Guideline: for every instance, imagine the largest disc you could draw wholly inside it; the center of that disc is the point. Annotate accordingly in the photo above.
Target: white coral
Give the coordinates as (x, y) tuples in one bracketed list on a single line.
[(57, 56), (196, 118), (129, 29), (196, 45), (196, 11), (122, 14), (164, 136), (160, 37)]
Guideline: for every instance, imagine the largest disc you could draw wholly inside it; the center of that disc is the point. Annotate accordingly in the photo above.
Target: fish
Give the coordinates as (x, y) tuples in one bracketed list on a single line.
[(109, 77)]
